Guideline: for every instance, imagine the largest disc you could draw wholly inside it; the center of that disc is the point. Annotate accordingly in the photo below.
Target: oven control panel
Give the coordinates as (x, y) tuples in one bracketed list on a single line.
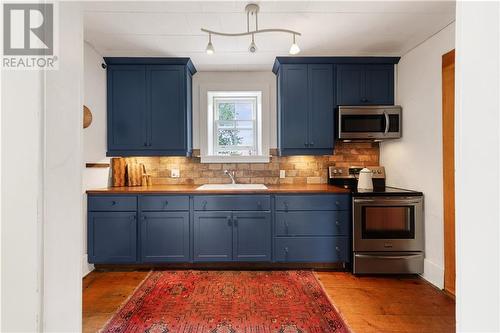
[(353, 172)]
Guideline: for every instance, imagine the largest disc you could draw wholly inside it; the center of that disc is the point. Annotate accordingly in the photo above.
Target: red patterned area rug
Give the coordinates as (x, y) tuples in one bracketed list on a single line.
[(228, 302)]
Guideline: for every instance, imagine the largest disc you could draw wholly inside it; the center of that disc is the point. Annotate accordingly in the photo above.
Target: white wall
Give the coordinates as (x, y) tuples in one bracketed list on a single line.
[(477, 146), (416, 160), (94, 136), (62, 284), (21, 201)]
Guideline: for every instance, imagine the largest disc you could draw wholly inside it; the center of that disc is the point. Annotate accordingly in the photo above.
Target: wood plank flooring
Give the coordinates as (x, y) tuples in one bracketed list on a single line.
[(368, 304)]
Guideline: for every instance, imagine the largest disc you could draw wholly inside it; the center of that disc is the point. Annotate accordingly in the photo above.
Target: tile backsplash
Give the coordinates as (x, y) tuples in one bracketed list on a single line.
[(298, 169)]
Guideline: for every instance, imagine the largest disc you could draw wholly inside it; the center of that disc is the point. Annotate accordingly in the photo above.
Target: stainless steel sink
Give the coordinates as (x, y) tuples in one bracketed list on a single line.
[(231, 187)]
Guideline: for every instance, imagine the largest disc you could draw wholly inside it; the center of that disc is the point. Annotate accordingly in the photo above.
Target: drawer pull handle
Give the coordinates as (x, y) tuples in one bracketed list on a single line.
[(229, 221), (204, 204), (113, 203), (166, 202)]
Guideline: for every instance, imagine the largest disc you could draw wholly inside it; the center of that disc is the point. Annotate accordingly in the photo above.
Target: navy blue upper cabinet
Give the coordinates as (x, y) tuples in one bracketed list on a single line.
[(305, 109), (127, 108), (371, 84), (149, 106), (321, 107)]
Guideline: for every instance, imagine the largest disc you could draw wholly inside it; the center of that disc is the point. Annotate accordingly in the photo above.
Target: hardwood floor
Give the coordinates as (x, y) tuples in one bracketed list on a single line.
[(368, 304)]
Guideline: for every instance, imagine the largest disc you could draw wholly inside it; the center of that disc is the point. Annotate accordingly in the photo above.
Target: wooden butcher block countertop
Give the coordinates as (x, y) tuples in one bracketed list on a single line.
[(192, 189)]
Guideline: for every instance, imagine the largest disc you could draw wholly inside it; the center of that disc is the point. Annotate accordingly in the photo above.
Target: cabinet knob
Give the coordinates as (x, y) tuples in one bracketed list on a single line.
[(113, 203), (337, 203), (337, 248), (311, 144), (229, 221), (364, 100), (337, 223), (143, 217), (235, 221), (166, 202), (204, 204)]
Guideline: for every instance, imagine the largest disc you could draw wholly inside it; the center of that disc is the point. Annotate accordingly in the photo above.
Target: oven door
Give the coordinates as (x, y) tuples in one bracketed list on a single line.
[(388, 224), (369, 122)]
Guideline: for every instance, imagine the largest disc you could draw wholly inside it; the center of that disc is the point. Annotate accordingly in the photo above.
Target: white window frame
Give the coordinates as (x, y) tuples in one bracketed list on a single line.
[(207, 127)]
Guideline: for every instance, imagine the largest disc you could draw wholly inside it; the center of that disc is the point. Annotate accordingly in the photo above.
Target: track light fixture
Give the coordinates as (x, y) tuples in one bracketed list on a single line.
[(210, 48), (294, 49), (251, 9)]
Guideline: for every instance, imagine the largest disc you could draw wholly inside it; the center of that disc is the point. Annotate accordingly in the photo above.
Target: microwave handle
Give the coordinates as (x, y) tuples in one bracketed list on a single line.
[(386, 122)]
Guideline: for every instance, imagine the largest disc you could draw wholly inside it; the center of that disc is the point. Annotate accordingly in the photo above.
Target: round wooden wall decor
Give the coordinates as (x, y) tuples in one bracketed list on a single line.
[(87, 117)]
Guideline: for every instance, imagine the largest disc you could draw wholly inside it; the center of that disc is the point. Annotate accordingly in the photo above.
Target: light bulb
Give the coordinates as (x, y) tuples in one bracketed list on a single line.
[(253, 47), (294, 49), (210, 48)]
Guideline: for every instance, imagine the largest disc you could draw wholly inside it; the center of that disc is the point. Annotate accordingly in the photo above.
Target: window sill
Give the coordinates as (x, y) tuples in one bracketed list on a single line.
[(235, 159)]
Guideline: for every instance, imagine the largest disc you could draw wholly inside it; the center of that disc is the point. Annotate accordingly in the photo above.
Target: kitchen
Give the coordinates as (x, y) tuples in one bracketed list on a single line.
[(280, 166)]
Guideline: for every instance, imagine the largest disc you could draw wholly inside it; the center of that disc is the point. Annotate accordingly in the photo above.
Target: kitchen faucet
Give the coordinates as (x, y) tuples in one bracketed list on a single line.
[(231, 175)]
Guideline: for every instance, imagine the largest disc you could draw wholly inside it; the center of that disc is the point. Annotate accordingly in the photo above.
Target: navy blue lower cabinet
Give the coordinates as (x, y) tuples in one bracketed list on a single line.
[(112, 237), (164, 236), (252, 236), (311, 249), (313, 223), (213, 236)]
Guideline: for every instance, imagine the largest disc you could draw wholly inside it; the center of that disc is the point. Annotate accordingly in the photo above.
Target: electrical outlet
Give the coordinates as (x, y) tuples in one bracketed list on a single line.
[(282, 173), (175, 173)]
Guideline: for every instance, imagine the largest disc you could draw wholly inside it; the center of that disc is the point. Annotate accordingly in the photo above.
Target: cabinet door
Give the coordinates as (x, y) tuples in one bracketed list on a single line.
[(252, 236), (165, 236), (112, 237), (321, 124), (350, 84), (213, 236), (167, 122), (379, 84), (126, 108), (294, 107)]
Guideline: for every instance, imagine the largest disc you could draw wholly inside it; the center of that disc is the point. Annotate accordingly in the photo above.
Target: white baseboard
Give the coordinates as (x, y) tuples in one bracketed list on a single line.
[(433, 273), (86, 267)]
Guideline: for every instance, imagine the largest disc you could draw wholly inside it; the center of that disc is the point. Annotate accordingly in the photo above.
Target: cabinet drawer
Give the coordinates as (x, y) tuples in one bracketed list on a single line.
[(164, 203), (312, 223), (311, 249), (313, 202), (112, 203), (232, 202)]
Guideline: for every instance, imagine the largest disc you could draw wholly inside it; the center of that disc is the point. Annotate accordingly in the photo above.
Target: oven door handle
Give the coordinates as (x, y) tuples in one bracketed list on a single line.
[(385, 201), (407, 257), (386, 122)]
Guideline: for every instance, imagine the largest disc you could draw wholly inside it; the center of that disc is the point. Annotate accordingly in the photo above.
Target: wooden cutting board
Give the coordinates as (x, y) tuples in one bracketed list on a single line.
[(134, 174), (118, 171)]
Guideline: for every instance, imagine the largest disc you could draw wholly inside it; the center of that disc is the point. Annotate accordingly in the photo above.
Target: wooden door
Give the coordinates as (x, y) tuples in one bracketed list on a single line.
[(165, 236), (127, 108), (350, 84), (321, 123), (294, 107), (252, 236), (112, 237), (379, 85), (213, 236), (448, 78), (167, 121)]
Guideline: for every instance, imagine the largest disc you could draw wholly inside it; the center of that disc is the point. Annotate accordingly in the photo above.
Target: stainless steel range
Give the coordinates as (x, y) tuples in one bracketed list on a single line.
[(388, 224)]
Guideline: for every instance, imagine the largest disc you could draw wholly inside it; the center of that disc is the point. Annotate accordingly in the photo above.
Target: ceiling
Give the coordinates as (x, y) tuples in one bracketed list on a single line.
[(172, 29)]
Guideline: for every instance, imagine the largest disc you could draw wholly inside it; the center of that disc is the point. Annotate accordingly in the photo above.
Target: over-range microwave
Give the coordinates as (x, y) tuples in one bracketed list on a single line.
[(369, 122)]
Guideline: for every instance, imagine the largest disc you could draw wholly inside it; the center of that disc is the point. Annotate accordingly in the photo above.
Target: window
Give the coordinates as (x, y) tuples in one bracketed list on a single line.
[(234, 126)]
